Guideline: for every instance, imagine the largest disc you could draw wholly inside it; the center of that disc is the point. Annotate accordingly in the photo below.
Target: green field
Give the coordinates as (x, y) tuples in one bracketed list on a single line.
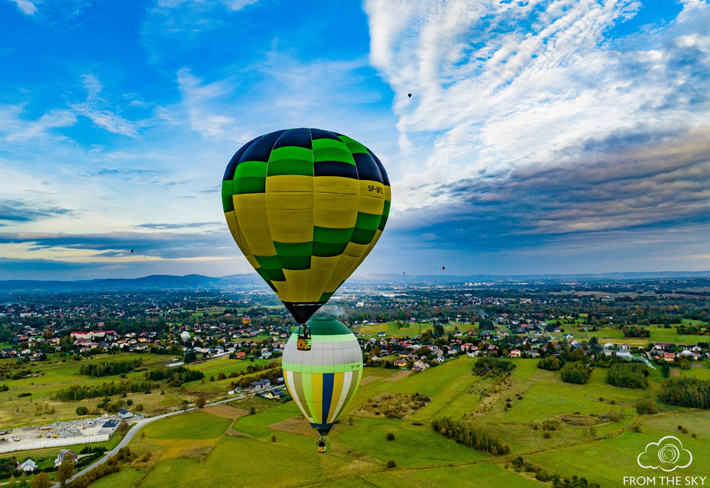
[(196, 425), (275, 447), (408, 329)]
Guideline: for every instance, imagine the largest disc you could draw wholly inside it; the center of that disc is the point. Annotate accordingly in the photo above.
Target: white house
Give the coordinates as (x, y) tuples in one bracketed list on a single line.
[(28, 466)]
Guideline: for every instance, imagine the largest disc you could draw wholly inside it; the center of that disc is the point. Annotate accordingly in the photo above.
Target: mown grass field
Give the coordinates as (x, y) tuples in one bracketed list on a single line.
[(275, 447), (51, 376), (408, 329)]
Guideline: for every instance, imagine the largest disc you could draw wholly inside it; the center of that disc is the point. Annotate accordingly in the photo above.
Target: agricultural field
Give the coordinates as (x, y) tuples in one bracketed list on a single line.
[(392, 329), (555, 426), (48, 377)]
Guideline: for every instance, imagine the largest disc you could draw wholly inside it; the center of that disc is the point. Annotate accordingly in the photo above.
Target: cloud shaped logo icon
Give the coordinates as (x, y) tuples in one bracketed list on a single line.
[(667, 454)]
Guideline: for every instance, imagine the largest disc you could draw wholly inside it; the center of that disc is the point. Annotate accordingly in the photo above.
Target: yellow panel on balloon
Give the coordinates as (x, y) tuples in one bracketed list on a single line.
[(289, 183), (290, 216), (335, 211), (283, 291), (346, 265), (298, 283), (250, 210), (322, 268), (372, 204), (337, 184)]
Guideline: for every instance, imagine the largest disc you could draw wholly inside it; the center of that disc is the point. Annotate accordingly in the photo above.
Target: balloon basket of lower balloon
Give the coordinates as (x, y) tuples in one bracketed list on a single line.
[(321, 445)]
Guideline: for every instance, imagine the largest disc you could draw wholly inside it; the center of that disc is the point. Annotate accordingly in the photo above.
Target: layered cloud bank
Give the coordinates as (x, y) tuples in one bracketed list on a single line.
[(530, 120), (520, 137)]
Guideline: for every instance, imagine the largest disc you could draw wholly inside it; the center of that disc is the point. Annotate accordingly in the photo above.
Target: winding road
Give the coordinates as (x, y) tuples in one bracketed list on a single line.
[(142, 422)]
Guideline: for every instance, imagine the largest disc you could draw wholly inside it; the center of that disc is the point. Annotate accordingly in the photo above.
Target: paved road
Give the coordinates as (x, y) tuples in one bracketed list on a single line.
[(142, 422)]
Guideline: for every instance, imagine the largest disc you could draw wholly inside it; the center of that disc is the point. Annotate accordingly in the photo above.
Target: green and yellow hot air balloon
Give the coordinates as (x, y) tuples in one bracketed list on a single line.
[(306, 207)]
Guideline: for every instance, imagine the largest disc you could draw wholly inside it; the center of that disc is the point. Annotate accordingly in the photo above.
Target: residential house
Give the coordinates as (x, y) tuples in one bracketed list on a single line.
[(62, 454), (28, 466)]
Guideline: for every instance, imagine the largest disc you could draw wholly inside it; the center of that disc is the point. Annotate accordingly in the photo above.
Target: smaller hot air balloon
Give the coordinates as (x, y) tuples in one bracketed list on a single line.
[(246, 320), (443, 267), (323, 379), (409, 95), (185, 336)]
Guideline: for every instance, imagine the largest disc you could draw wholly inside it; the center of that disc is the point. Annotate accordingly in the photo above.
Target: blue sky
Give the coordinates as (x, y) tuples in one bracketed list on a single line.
[(541, 136)]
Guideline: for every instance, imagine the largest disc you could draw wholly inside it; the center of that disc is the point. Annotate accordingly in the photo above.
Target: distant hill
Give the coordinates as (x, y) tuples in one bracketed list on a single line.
[(147, 283), (253, 281)]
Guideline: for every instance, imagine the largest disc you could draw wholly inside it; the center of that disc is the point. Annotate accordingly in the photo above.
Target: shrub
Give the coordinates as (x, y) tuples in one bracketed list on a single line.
[(390, 436), (550, 363), (576, 372), (391, 464), (646, 406), (487, 364)]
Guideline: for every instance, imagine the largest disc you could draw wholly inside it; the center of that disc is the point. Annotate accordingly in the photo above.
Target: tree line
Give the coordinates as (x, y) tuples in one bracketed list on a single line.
[(628, 375), (80, 392), (465, 433), (686, 392), (108, 369), (176, 375)]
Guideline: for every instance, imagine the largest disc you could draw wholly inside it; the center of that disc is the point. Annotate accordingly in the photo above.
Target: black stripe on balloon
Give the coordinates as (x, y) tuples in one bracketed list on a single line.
[(385, 179), (335, 168), (323, 134), (367, 168), (295, 137), (232, 166), (261, 148)]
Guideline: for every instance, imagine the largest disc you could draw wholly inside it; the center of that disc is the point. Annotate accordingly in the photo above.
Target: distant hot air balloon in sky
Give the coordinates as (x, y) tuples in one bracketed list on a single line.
[(306, 207), (443, 267)]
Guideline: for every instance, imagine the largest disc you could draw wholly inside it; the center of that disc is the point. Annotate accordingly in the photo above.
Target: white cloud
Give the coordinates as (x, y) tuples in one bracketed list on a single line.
[(199, 100), (502, 85), (95, 108), (15, 128), (204, 4), (26, 6)]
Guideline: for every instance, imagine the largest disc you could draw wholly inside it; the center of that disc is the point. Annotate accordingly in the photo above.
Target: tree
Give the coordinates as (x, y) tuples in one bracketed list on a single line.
[(41, 481), (666, 370), (646, 406), (123, 427), (66, 470), (201, 402), (486, 324), (82, 410)]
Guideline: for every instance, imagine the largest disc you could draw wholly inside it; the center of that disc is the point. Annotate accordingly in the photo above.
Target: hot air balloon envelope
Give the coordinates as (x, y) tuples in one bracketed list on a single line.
[(322, 381), (305, 206)]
